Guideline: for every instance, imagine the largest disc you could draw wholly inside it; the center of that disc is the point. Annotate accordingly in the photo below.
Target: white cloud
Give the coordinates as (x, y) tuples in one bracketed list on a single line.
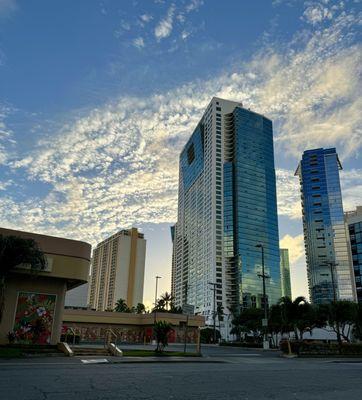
[(139, 42), (164, 27), (185, 34), (351, 184), (6, 135), (317, 13), (194, 5), (288, 194), (295, 245), (118, 165), (146, 17)]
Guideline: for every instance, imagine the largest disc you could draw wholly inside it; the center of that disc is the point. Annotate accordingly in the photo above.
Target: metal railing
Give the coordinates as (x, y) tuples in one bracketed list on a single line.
[(72, 332), (108, 337)]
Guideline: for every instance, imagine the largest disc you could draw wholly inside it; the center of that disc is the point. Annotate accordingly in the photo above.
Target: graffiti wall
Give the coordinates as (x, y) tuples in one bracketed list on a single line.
[(34, 318)]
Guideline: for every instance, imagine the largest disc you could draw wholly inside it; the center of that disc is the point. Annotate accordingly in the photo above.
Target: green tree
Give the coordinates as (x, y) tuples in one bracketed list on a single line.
[(175, 310), (249, 321), (140, 308), (121, 306), (207, 335), (298, 316), (161, 331), (357, 327), (167, 300), (160, 306), (341, 315), (14, 251), (275, 322)]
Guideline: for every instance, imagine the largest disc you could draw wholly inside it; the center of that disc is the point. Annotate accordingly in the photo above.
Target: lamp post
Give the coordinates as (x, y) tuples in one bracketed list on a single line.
[(214, 285), (264, 276), (157, 278)]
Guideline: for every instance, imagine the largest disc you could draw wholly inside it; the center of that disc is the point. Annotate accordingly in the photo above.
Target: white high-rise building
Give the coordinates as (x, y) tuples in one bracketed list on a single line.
[(118, 266), (77, 297), (226, 207)]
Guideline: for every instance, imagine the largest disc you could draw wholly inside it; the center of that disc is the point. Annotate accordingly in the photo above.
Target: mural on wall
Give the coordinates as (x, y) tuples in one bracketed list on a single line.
[(76, 332), (34, 318)]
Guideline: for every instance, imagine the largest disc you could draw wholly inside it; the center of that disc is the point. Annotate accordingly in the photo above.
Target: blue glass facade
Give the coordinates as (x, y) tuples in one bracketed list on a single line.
[(192, 158), (226, 206), (324, 230), (255, 208)]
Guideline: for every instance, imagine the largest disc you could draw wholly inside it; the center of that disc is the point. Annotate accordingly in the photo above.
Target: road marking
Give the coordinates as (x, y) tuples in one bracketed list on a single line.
[(235, 355), (16, 364), (95, 361)]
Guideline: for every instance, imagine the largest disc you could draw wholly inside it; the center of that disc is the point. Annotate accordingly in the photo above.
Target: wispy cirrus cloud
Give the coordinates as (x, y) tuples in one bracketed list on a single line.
[(118, 164), (165, 25), (7, 141), (139, 42)]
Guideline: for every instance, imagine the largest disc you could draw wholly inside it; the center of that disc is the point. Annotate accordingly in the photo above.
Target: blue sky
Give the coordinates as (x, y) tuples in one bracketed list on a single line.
[(98, 97)]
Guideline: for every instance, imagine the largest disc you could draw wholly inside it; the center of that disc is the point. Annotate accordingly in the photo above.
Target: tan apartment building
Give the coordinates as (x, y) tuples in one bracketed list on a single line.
[(118, 266)]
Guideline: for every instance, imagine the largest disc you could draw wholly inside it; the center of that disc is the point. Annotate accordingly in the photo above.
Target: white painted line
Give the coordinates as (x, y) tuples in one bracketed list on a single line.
[(236, 355), (95, 361)]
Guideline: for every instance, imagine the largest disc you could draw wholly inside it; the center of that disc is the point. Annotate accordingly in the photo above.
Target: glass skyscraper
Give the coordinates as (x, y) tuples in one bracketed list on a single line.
[(226, 206), (285, 273), (354, 225), (327, 254)]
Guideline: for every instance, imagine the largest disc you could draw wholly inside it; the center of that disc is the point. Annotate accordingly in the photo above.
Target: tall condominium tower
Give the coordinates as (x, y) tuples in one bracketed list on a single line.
[(328, 263), (354, 225), (118, 266), (226, 206), (285, 273)]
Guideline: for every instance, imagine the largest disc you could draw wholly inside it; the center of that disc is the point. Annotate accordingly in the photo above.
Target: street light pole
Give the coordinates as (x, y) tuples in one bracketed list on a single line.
[(157, 278), (214, 312), (264, 276)]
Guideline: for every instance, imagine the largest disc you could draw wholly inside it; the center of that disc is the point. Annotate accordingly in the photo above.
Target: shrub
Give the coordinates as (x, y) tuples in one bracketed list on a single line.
[(321, 349)]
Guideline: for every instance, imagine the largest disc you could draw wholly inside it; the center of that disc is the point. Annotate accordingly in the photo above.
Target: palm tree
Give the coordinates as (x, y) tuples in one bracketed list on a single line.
[(297, 315), (121, 306), (14, 251), (161, 330), (140, 308), (167, 298), (160, 306)]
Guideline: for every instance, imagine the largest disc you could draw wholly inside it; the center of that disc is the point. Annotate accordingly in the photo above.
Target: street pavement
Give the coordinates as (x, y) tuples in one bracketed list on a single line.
[(224, 373)]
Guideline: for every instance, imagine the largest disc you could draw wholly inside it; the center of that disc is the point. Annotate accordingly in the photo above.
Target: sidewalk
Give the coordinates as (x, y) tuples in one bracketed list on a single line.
[(84, 360)]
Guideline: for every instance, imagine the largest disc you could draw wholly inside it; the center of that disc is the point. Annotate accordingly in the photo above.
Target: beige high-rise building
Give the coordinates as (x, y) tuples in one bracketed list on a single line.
[(118, 266)]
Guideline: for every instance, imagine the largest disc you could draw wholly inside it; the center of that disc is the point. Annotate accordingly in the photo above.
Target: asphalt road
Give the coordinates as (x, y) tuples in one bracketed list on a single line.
[(232, 375)]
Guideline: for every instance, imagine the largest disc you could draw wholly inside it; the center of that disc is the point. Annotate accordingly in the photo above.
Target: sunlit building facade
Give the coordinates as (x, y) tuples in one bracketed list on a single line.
[(226, 206), (285, 273), (327, 254), (118, 266)]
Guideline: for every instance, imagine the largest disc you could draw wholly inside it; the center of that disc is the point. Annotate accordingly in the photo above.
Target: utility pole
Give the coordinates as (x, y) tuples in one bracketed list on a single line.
[(214, 285), (264, 276)]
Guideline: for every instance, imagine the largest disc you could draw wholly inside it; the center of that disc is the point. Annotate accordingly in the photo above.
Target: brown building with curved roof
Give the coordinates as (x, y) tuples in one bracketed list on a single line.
[(34, 303)]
